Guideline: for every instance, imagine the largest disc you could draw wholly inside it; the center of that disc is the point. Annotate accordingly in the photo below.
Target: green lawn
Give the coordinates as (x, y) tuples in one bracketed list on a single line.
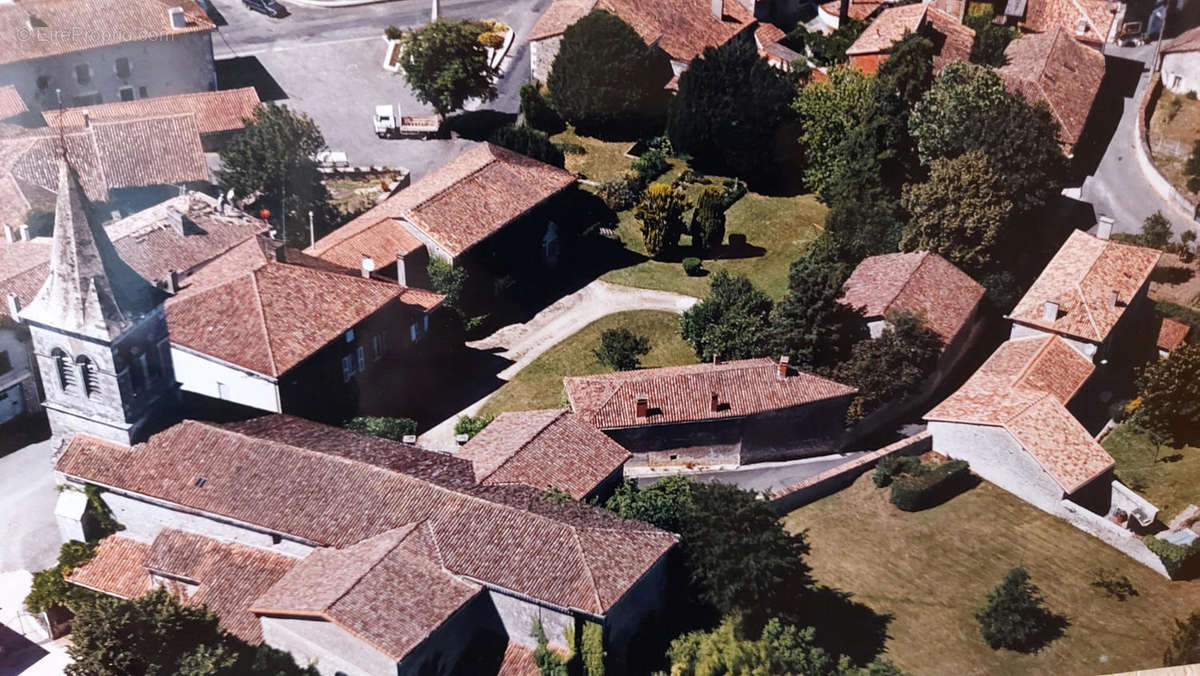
[(1168, 477), (539, 385), (931, 570), (776, 228)]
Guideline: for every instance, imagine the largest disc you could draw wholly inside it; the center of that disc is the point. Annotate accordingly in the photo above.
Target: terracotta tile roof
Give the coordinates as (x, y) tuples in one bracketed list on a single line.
[(568, 555), (1172, 334), (860, 10), (684, 393), (681, 28), (768, 34), (217, 111), (457, 206), (888, 27), (67, 26), (118, 568), (1043, 16), (951, 39), (10, 102), (117, 154), (270, 317), (544, 449), (921, 282), (1056, 69), (389, 590), (518, 661), (147, 241), (1024, 387), (229, 576), (1188, 41), (1081, 278)]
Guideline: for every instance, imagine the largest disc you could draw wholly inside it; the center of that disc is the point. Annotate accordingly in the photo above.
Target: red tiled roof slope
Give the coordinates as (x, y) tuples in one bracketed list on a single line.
[(684, 393), (1171, 334), (118, 568), (1081, 278), (859, 10), (10, 102), (90, 24), (215, 111), (518, 661), (920, 282), (330, 500), (544, 449), (952, 40), (1056, 69), (888, 27), (1188, 41), (456, 206), (1044, 16)]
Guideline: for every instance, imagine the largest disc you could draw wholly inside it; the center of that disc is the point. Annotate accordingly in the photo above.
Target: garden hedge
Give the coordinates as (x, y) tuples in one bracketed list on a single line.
[(929, 486)]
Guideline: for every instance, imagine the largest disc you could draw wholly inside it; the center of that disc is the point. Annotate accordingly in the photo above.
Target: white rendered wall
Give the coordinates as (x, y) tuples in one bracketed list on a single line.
[(518, 616), (201, 375), (1184, 67), (326, 646), (996, 456)]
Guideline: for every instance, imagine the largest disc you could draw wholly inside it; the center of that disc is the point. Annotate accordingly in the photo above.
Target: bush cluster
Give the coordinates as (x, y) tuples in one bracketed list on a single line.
[(651, 164), (388, 428), (691, 265), (621, 193), (892, 466), (929, 485), (1174, 557)]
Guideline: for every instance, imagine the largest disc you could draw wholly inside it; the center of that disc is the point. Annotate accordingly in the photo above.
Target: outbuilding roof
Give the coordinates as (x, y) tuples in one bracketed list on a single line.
[(457, 206), (1083, 279), (921, 282), (685, 393), (1187, 41), (1171, 334), (214, 112)]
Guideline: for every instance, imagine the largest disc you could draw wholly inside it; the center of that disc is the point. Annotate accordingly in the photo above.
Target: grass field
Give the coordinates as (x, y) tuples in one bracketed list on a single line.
[(539, 385), (1168, 477), (776, 228), (931, 571), (1172, 133)]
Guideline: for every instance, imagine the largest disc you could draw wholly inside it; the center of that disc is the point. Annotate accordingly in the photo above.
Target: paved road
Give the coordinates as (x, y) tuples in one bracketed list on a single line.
[(327, 62), (1118, 188), (765, 476), (522, 343), (27, 498)]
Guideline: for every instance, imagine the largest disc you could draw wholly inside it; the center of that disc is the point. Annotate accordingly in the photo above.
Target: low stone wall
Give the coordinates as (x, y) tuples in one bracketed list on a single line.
[(1145, 157), (1115, 536), (836, 478)]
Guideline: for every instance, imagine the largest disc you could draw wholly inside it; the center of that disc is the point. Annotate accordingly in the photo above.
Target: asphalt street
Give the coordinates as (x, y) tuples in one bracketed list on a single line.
[(27, 498)]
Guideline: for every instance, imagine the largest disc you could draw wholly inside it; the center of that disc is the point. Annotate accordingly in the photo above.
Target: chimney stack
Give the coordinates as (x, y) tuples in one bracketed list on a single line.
[(716, 402), (177, 19), (24, 230), (401, 269), (1050, 311), (783, 366), (14, 307), (87, 117), (1113, 298), (9, 235), (368, 266), (172, 282), (1104, 226), (643, 405), (718, 9)]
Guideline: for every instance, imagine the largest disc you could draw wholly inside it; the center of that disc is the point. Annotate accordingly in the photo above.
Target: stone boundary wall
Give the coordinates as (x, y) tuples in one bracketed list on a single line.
[(836, 478), (1115, 536), (1145, 156)]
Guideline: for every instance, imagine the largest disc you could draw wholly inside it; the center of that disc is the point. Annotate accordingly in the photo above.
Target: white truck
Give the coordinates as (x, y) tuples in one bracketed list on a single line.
[(390, 124)]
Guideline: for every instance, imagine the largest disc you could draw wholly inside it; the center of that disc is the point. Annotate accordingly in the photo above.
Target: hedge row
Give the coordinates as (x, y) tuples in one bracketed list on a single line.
[(929, 486), (1174, 557)]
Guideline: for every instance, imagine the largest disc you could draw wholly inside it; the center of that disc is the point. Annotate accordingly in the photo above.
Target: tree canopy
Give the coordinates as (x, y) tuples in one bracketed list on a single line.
[(274, 161), (1016, 616), (710, 119), (387, 428), (829, 110), (810, 325), (445, 63), (1169, 394), (908, 70), (660, 213), (620, 349), (733, 322), (959, 213), (891, 366), (529, 142), (605, 75), (991, 39)]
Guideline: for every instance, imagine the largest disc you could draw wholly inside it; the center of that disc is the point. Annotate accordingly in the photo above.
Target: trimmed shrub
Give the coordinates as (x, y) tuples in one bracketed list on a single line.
[(892, 466), (621, 349), (1016, 616), (691, 265), (1174, 557), (471, 425), (529, 142), (929, 486), (387, 428), (621, 193), (651, 164), (393, 33), (708, 219)]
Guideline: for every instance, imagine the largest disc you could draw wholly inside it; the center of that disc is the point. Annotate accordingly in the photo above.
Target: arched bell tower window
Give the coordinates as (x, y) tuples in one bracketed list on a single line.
[(62, 368), (87, 375)]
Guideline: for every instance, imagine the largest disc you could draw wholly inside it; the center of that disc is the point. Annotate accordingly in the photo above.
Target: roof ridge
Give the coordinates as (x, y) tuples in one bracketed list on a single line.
[(1025, 408), (587, 568), (262, 315), (1032, 360), (523, 446), (493, 159), (924, 256)]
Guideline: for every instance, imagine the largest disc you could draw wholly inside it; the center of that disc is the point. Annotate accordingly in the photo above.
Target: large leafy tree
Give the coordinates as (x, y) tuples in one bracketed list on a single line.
[(446, 64), (810, 325), (605, 74), (959, 213), (829, 109), (1016, 616), (1169, 390), (864, 216), (968, 109), (780, 649), (991, 39), (273, 163), (733, 322), (710, 118), (908, 70), (738, 554), (891, 366), (660, 212)]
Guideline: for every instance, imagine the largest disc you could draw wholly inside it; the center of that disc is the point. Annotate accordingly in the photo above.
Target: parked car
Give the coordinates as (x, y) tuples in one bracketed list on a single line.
[(269, 7), (390, 124)]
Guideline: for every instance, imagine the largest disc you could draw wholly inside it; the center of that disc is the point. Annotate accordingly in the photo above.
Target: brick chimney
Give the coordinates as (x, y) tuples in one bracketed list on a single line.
[(24, 230), (718, 9), (643, 405), (14, 307), (1113, 298), (1104, 226), (716, 403), (176, 18), (783, 366), (172, 282), (401, 269), (367, 266), (1050, 311)]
